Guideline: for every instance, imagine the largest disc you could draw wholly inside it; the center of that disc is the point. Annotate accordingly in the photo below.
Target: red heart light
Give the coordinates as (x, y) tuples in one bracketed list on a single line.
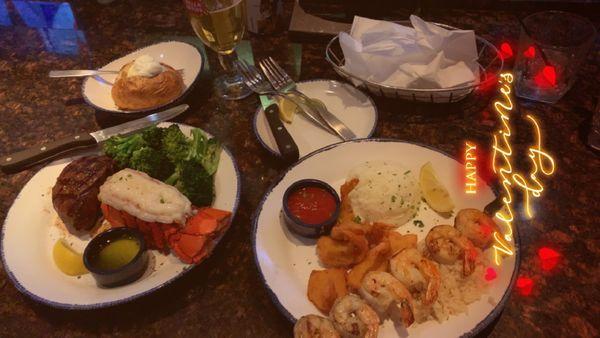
[(550, 74), (529, 52), (549, 258), (490, 274), (546, 78), (524, 285), (486, 229), (506, 50)]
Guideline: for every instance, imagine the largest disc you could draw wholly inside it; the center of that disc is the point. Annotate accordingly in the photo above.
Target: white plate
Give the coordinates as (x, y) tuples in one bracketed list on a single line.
[(347, 103), (29, 234), (179, 55), (285, 260)]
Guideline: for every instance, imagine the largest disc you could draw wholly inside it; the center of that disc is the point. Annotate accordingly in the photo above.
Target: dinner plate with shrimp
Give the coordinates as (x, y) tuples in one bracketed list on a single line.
[(384, 243)]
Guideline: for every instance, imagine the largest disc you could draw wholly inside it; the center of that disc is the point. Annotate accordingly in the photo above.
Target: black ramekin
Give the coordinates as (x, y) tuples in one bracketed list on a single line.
[(304, 229), (125, 274)]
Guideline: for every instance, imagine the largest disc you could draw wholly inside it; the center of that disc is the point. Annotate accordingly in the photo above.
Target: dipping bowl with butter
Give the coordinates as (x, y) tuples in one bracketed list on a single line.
[(116, 256)]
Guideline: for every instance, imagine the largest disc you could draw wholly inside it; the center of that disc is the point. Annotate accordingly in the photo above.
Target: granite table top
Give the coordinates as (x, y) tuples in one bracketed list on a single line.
[(225, 296)]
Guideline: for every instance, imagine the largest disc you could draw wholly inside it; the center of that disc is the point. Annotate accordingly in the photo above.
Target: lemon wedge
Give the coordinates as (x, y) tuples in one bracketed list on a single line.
[(434, 192), (67, 260), (287, 109)]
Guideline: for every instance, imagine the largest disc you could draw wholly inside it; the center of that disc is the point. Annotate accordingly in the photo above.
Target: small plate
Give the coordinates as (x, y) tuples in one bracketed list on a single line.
[(347, 103), (32, 223), (285, 260), (179, 55)]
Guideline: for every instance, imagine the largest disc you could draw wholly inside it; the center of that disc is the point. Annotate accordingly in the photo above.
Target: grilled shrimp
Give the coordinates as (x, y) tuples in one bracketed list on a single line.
[(313, 326), (388, 296), (417, 273), (354, 318), (476, 226), (446, 245)]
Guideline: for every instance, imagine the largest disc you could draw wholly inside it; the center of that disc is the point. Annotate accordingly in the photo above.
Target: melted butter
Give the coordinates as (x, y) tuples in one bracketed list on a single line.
[(117, 253)]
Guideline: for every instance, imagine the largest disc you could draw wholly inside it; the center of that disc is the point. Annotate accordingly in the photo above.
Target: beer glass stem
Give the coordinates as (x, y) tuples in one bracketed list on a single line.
[(230, 85), (226, 61)]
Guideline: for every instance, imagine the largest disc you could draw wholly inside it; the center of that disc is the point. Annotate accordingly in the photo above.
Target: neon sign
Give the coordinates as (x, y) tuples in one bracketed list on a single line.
[(470, 168), (542, 163)]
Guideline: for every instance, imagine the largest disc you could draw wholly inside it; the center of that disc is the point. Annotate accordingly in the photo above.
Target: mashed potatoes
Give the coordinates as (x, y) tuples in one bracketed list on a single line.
[(386, 192)]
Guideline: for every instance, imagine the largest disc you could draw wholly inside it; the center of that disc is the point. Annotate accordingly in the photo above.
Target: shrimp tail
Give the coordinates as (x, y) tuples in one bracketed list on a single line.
[(406, 313), (433, 280), (469, 258)]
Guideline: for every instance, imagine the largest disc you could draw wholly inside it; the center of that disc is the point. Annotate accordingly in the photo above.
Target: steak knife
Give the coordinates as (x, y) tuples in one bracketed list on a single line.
[(25, 158), (285, 143)]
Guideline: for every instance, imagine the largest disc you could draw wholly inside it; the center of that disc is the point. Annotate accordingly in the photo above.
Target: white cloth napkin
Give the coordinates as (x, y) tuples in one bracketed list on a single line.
[(426, 56)]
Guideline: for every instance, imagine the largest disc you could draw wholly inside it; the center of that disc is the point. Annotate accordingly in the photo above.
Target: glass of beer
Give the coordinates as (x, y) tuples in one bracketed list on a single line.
[(220, 26)]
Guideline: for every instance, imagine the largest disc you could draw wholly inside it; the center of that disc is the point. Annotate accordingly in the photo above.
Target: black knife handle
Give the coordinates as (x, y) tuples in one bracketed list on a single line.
[(287, 147), (25, 158)]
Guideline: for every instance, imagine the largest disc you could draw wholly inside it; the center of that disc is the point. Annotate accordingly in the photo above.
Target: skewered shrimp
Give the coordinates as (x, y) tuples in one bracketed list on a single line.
[(313, 326), (417, 273), (446, 245), (388, 296), (476, 226), (354, 318)]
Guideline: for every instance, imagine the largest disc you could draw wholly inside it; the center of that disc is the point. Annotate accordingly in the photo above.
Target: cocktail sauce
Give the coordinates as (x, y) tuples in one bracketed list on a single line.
[(312, 205)]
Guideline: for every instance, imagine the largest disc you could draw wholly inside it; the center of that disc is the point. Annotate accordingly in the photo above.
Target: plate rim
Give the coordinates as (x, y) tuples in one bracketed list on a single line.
[(271, 151), (129, 112), (486, 321), (99, 305)]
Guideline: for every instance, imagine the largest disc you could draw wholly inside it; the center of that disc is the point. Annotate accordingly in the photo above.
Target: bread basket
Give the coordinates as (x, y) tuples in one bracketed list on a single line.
[(489, 61)]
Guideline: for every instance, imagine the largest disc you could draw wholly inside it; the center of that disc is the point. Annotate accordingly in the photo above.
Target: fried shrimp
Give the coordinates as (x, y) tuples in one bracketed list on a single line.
[(417, 273), (354, 318), (376, 260), (342, 248), (346, 213), (400, 242), (313, 326), (476, 226), (446, 245), (388, 296)]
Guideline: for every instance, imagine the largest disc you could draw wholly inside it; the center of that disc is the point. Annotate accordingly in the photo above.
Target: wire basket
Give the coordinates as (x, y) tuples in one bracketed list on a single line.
[(489, 61)]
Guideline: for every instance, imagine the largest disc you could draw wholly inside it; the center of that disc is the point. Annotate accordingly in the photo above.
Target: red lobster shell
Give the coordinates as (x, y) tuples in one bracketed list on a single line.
[(190, 243)]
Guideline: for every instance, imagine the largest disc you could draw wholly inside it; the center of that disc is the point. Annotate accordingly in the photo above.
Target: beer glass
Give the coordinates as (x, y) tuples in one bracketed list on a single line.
[(220, 26)]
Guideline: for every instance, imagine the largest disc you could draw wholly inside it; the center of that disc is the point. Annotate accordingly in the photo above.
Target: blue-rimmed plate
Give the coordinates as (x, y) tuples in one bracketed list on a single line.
[(285, 260), (32, 227), (96, 90), (350, 105)]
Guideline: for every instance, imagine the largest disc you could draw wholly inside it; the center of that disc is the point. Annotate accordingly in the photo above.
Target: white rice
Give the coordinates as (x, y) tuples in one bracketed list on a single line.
[(387, 192), (456, 291)]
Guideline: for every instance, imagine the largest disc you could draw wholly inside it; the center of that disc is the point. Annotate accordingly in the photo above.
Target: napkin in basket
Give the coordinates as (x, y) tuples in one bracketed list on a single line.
[(426, 56)]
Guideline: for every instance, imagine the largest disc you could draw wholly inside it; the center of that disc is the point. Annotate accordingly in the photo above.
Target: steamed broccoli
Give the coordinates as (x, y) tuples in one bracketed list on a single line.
[(192, 180), (153, 136), (175, 145), (204, 151), (152, 162), (120, 148), (168, 155)]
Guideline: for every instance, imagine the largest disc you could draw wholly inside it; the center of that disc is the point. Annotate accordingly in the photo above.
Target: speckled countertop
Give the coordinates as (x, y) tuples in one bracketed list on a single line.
[(225, 297)]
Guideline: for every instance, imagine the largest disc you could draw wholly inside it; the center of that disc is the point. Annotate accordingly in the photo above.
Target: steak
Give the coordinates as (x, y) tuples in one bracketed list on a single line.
[(75, 194)]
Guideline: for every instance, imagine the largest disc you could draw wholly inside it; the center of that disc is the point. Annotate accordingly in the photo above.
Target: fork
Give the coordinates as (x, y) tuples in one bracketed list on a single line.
[(282, 82), (86, 72), (255, 81), (288, 149), (80, 72)]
